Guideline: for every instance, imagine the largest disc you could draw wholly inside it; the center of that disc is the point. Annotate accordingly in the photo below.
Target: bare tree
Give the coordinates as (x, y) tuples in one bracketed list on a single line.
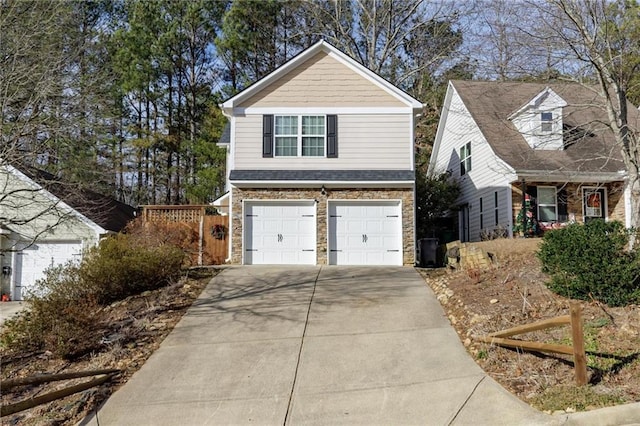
[(398, 39), (604, 38), (505, 40), (51, 100)]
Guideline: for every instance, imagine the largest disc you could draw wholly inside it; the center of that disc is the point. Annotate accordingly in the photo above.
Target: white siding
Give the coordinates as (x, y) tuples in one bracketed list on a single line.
[(364, 142), (529, 124), (58, 222), (488, 173)]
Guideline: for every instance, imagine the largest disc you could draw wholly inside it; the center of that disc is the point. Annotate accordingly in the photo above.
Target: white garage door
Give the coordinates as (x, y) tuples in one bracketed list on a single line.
[(32, 261), (365, 233), (280, 233)]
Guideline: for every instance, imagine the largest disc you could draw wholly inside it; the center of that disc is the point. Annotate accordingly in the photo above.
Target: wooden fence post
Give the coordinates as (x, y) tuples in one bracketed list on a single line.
[(577, 338)]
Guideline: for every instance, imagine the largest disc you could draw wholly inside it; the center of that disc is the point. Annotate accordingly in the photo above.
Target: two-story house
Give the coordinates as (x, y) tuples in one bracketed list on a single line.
[(498, 138), (320, 166)]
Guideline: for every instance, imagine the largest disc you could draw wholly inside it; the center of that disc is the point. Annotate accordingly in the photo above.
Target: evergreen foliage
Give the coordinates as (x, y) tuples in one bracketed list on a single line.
[(591, 261)]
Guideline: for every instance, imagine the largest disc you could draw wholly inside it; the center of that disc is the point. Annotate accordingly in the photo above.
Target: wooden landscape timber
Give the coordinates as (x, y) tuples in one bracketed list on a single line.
[(101, 376), (577, 338)]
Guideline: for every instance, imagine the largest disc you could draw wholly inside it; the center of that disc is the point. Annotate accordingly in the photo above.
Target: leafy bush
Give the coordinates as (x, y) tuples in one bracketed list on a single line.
[(592, 261), (64, 313), (123, 265), (62, 317)]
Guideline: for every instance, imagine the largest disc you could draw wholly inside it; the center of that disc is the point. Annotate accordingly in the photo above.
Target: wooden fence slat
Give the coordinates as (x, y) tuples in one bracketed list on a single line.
[(527, 328), (577, 340), (523, 344), (212, 249)]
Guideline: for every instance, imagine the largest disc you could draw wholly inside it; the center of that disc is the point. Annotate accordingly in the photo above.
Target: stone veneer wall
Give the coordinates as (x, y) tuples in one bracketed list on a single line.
[(405, 195)]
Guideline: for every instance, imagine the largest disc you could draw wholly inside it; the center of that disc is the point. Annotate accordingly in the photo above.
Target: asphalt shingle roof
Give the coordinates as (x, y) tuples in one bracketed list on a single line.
[(491, 103), (105, 211)]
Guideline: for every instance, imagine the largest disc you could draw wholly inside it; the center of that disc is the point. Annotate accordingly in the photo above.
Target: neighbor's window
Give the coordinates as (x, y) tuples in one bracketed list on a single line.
[(547, 204), (302, 135), (495, 208), (465, 159), (546, 122)]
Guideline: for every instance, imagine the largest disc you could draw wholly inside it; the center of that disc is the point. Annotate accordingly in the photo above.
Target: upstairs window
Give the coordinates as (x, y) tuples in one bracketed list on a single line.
[(546, 122), (465, 159), (302, 135)]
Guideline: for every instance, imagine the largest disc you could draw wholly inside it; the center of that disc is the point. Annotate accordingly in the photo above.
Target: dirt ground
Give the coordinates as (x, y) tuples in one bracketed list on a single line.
[(512, 293), (134, 328)]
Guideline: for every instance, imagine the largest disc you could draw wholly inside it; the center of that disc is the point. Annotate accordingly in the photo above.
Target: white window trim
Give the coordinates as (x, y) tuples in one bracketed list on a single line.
[(496, 209), (299, 136), (467, 158), (605, 202), (555, 205), (549, 122)]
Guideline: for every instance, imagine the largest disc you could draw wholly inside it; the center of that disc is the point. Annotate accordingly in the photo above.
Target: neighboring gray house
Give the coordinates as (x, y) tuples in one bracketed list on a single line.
[(44, 223), (495, 136), (320, 166)]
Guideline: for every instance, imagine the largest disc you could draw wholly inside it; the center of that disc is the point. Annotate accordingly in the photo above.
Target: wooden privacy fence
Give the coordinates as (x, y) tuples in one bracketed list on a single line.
[(212, 230), (577, 339)]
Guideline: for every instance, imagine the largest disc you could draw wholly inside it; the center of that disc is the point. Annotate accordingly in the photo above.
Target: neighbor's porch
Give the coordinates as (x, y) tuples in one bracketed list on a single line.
[(552, 205)]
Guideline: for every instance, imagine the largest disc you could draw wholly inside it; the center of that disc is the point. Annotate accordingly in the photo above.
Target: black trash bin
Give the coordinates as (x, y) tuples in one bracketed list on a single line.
[(428, 249)]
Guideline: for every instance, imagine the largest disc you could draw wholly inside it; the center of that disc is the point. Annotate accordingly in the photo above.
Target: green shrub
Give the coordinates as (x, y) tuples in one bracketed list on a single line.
[(61, 317), (592, 261), (122, 266), (64, 314)]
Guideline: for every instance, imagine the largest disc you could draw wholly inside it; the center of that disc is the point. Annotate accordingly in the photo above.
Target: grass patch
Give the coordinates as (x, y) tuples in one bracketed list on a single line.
[(576, 398)]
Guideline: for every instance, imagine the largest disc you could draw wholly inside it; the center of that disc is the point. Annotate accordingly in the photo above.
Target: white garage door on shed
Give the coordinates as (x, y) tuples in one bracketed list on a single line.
[(365, 233), (32, 261), (280, 232)]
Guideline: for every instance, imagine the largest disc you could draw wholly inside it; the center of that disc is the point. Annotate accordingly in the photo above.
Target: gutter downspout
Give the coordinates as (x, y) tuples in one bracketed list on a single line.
[(230, 189)]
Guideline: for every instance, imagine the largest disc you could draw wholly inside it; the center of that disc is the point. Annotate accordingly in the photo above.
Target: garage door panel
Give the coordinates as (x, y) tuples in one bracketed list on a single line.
[(280, 233), (32, 262), (365, 233)]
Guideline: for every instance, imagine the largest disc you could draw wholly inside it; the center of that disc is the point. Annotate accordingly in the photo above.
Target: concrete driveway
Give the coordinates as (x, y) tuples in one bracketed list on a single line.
[(314, 345), (9, 309)]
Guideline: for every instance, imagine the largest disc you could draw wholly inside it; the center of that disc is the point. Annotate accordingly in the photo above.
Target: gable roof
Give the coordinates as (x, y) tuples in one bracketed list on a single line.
[(103, 211), (321, 46), (546, 94), (590, 145)]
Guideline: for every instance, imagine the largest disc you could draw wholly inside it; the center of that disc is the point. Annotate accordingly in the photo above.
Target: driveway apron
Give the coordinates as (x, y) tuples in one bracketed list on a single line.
[(313, 345)]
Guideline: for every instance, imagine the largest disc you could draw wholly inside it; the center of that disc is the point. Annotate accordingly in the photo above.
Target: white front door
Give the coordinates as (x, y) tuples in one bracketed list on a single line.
[(280, 233), (33, 260), (365, 233)]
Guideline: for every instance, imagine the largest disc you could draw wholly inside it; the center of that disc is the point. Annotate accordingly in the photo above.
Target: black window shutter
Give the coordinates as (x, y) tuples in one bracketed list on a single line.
[(267, 136), (332, 136), (563, 215)]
